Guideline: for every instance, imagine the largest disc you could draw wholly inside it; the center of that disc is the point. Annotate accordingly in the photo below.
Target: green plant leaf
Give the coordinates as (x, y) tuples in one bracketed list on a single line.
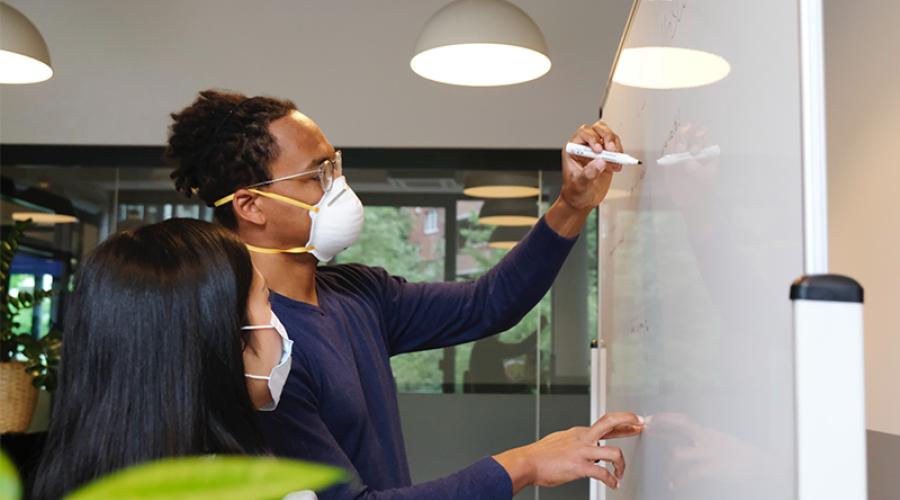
[(10, 488), (26, 300), (220, 477)]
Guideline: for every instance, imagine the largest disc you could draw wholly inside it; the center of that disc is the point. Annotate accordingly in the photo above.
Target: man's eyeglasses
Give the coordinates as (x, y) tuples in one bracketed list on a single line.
[(327, 171)]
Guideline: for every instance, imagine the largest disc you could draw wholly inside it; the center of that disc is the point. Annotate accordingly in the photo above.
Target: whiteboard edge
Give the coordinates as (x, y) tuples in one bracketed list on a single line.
[(814, 152), (612, 69)]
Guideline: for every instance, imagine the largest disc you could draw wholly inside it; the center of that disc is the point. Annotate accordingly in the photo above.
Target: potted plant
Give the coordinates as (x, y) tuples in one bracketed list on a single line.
[(27, 364)]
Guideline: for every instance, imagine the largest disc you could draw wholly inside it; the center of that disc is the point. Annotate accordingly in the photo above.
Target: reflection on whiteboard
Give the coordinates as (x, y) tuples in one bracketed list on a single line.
[(707, 153), (697, 249)]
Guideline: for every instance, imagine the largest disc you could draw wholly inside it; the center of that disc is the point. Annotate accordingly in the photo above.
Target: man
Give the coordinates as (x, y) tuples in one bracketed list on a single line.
[(277, 182)]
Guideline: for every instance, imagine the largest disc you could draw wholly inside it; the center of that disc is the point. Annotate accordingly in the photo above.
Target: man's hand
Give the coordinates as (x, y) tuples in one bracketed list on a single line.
[(568, 455), (585, 181)]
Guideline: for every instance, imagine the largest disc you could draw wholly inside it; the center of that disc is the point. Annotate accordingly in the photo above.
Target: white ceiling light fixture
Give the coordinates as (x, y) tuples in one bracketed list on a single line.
[(481, 43), (23, 53), (669, 68)]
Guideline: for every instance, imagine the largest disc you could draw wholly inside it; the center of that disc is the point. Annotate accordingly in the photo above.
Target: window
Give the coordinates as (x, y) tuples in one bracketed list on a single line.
[(431, 222), (396, 239), (506, 363), (423, 228)]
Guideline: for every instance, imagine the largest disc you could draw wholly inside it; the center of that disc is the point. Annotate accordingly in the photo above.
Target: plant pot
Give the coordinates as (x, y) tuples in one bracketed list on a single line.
[(17, 397)]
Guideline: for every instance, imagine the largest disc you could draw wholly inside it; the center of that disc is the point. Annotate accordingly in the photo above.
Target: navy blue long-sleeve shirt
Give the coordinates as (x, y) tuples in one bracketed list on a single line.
[(339, 405)]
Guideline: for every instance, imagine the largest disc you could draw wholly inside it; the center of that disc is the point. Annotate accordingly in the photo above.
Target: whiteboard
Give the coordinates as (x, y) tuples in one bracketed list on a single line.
[(698, 248)]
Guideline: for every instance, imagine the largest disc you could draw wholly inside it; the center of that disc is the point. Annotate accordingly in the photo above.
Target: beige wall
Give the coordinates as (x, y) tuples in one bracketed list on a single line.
[(863, 92), (122, 66)]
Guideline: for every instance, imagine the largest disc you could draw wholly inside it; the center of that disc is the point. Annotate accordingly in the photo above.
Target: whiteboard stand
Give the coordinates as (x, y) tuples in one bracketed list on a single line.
[(830, 395), (598, 404)]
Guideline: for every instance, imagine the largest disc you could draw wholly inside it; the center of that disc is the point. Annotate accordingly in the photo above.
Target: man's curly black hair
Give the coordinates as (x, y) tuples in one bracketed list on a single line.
[(221, 143)]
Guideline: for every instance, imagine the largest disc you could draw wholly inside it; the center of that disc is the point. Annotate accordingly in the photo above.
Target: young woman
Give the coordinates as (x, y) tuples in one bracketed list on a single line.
[(169, 346)]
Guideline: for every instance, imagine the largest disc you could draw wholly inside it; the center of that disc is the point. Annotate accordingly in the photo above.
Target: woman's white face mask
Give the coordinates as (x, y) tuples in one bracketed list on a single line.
[(278, 375)]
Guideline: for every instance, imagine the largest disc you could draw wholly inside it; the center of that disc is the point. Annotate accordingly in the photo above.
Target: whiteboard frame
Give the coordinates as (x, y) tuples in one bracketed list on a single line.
[(814, 148)]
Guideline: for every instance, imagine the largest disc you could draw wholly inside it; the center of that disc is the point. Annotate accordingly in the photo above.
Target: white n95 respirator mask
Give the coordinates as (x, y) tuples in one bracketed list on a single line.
[(336, 220), (337, 223)]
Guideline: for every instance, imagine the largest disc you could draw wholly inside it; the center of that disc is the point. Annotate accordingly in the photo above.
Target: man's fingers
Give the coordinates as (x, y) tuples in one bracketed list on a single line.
[(589, 172), (611, 421), (593, 169), (609, 454), (600, 474), (598, 165), (619, 148), (611, 141), (587, 135), (608, 136), (599, 137)]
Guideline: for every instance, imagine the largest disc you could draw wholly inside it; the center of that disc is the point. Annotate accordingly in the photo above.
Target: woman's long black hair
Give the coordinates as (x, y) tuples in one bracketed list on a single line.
[(151, 362)]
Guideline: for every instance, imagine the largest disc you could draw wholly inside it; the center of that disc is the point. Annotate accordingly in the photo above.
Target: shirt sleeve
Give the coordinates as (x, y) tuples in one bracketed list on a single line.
[(483, 480), (421, 316), (310, 439)]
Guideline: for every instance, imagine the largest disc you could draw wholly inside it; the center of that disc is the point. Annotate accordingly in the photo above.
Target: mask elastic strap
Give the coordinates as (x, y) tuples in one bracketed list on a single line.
[(295, 250), (256, 377), (273, 196), (258, 327)]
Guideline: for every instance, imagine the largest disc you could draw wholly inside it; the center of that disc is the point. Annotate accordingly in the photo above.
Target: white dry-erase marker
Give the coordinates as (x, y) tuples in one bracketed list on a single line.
[(587, 152)]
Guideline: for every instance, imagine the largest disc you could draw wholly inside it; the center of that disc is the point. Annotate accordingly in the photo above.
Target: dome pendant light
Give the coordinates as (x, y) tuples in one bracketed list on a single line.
[(507, 237), (501, 185), (23, 53), (481, 43), (509, 212)]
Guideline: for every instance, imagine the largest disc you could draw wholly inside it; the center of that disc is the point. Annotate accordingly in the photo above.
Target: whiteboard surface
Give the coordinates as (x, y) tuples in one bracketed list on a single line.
[(697, 254)]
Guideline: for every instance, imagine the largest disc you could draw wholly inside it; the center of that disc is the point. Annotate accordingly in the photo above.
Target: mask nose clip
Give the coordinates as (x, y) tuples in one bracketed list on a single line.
[(333, 200)]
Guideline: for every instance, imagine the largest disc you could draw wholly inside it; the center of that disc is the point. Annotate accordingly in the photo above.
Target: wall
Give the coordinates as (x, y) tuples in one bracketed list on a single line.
[(121, 67), (863, 93)]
